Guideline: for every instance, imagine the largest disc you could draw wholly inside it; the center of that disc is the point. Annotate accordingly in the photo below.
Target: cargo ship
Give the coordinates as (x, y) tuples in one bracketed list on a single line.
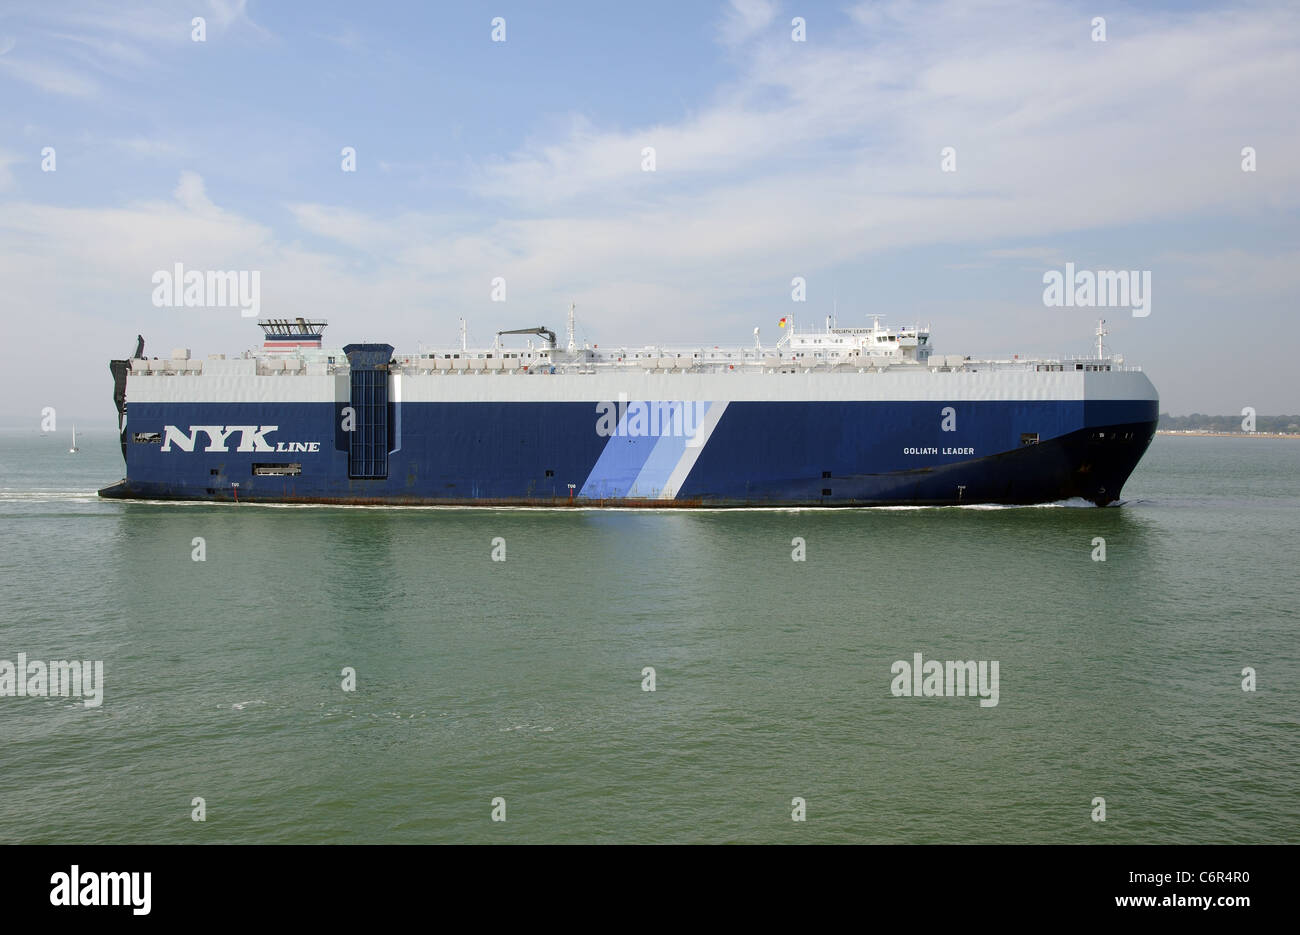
[(826, 417)]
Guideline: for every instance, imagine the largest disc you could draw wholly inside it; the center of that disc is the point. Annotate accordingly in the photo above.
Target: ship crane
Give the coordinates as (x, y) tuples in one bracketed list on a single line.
[(545, 332)]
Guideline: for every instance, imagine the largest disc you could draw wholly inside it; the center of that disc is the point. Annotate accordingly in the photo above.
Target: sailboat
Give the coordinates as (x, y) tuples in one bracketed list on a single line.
[(74, 449)]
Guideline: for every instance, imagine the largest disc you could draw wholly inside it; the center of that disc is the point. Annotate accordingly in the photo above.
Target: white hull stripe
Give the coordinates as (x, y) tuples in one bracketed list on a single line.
[(692, 449)]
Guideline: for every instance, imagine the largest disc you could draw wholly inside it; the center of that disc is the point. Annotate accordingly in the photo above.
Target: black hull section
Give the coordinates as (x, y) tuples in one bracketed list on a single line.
[(1092, 464)]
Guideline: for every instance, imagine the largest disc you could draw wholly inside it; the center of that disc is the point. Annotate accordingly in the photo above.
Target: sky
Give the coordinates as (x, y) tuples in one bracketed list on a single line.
[(524, 160)]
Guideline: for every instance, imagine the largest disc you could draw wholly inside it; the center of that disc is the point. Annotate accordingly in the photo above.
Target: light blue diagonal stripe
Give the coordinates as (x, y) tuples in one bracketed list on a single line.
[(659, 466), (615, 471)]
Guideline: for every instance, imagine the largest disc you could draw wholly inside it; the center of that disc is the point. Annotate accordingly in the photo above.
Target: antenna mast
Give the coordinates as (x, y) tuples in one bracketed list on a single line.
[(1101, 333), (573, 346)]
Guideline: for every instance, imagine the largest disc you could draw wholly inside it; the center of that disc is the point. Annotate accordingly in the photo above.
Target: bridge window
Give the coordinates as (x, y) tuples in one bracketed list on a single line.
[(279, 469)]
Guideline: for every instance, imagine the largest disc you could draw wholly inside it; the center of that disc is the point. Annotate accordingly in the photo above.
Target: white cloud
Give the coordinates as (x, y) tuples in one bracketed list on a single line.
[(102, 52), (47, 76), (346, 38), (150, 22), (228, 13), (63, 49), (1048, 256), (745, 18), (1232, 273), (154, 148), (7, 159), (192, 195)]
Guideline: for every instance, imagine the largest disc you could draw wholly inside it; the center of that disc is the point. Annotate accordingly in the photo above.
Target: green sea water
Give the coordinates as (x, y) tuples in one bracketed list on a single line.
[(523, 679)]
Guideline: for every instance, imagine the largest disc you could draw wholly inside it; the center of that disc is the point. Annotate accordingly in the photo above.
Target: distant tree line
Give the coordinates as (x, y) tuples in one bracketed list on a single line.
[(1198, 422)]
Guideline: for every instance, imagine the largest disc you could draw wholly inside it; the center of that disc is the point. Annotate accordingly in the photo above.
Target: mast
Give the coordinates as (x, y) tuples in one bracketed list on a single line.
[(1101, 333), (573, 341)]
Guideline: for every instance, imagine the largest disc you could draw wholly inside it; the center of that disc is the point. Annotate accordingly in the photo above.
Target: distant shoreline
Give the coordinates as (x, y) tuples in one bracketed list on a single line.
[(1192, 433)]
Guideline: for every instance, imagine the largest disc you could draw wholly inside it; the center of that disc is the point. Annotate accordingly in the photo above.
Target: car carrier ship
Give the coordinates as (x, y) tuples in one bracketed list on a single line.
[(837, 416)]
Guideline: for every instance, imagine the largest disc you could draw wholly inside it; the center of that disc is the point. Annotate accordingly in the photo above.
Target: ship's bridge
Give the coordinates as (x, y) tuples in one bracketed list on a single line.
[(844, 345), (291, 334)]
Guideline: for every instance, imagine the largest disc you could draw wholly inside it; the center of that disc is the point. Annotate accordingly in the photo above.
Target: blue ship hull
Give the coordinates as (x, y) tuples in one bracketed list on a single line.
[(759, 453)]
